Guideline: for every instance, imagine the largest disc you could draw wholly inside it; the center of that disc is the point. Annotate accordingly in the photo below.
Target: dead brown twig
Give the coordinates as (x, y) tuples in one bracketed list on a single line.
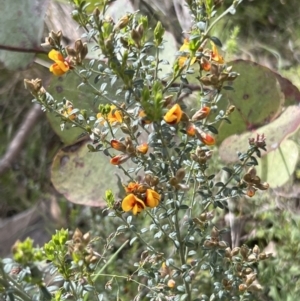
[(20, 137)]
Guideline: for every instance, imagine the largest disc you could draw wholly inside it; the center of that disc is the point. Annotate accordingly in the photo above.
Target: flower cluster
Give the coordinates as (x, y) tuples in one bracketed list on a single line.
[(139, 196), (63, 63), (128, 150), (67, 110), (253, 182), (193, 130), (207, 55), (110, 114)]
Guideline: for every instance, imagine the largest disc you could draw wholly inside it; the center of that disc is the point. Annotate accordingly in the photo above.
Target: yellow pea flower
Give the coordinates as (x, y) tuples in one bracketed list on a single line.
[(61, 66), (131, 202), (173, 116)]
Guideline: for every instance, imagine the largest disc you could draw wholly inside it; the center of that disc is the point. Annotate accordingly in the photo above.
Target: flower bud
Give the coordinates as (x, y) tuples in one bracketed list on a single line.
[(84, 51), (250, 279), (222, 244), (34, 86), (244, 251), (87, 237), (142, 149), (56, 37), (201, 114), (256, 249), (96, 14), (140, 30), (77, 236), (194, 157), (214, 233), (263, 186), (230, 110), (122, 23), (242, 287), (252, 257), (171, 283), (190, 129), (135, 36), (158, 33), (70, 51), (235, 251), (228, 252), (263, 256), (180, 174), (117, 160), (205, 138), (118, 145), (208, 244), (247, 271)]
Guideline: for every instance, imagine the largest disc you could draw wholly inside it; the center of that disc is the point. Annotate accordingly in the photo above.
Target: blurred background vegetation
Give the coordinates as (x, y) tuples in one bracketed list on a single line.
[(267, 32)]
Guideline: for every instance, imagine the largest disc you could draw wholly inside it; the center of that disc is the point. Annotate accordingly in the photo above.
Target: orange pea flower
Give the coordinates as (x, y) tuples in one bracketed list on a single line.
[(144, 118), (131, 202), (119, 159), (205, 64), (118, 145), (152, 198), (251, 191), (67, 113), (191, 129), (205, 138), (61, 66), (132, 187), (184, 48), (173, 116), (67, 109), (215, 54), (201, 114), (113, 117), (142, 149)]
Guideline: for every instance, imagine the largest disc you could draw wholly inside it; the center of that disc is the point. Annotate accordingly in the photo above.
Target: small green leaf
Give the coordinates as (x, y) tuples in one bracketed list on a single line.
[(132, 240), (216, 41)]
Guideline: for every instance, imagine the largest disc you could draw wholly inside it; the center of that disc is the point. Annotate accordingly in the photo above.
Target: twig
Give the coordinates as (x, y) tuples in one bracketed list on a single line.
[(24, 50), (18, 141)]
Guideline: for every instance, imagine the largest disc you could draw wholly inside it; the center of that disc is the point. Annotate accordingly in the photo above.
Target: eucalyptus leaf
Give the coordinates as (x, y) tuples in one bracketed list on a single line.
[(21, 27)]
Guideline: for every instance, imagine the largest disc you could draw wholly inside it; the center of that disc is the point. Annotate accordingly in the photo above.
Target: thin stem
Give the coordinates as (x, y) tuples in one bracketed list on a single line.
[(99, 93), (165, 148), (139, 236), (157, 64), (238, 170), (24, 50), (181, 246), (18, 290), (218, 19), (110, 260), (128, 279)]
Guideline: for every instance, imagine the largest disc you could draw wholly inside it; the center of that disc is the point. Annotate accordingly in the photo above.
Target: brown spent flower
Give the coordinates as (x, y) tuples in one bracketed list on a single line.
[(53, 41), (35, 87), (78, 53)]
